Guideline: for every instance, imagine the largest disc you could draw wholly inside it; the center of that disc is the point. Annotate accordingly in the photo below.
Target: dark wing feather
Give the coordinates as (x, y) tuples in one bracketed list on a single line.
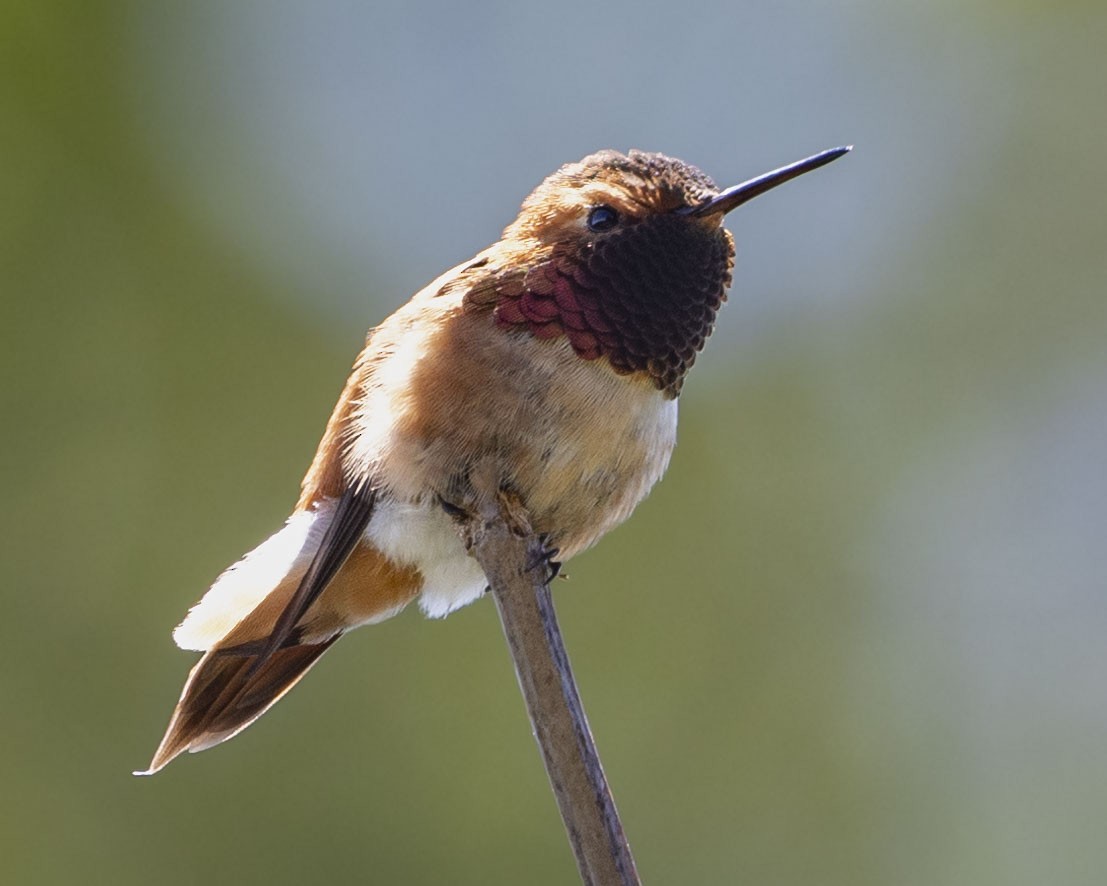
[(351, 516)]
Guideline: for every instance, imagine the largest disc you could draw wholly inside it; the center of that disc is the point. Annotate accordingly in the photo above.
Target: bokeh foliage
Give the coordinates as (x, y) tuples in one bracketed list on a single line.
[(854, 637)]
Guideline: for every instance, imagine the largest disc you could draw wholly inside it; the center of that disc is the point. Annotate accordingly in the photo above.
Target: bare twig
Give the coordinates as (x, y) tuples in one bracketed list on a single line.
[(515, 562)]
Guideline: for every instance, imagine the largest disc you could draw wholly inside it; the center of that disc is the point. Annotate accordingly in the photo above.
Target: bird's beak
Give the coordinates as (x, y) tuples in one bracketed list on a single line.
[(727, 200)]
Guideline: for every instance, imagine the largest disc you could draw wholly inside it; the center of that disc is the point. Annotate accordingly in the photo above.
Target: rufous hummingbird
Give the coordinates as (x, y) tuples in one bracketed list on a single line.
[(548, 366)]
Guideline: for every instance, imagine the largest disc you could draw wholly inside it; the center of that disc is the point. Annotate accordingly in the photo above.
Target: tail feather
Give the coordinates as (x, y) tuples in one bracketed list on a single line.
[(260, 637), (223, 696), (264, 579)]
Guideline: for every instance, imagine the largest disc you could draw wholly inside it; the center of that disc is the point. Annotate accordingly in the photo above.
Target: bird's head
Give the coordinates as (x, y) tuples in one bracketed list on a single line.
[(626, 256)]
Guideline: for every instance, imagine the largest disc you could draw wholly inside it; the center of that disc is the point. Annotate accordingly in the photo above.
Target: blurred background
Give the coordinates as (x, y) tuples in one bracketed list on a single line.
[(856, 636)]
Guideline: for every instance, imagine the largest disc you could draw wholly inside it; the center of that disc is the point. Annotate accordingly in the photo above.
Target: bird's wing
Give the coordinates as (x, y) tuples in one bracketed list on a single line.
[(347, 525)]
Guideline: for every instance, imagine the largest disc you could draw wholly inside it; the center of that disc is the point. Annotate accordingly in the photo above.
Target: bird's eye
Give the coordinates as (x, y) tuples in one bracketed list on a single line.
[(602, 218)]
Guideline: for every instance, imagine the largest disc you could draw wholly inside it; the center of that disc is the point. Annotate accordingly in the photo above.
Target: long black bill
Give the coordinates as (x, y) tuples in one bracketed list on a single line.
[(730, 198)]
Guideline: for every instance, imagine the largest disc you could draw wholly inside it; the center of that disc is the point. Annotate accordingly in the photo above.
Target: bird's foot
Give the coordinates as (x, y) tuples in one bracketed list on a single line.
[(543, 556)]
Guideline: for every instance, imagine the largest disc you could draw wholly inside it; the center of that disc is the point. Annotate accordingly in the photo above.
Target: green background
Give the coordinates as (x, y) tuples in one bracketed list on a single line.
[(856, 636)]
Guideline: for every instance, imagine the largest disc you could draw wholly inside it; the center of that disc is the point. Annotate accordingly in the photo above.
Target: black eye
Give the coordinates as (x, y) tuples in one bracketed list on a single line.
[(602, 218)]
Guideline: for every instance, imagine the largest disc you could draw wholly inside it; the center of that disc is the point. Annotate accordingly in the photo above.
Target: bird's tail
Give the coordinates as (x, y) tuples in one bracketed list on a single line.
[(225, 693), (270, 617)]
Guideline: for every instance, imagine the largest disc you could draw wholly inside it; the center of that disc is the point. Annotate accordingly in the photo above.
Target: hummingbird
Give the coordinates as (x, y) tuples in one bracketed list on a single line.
[(548, 368)]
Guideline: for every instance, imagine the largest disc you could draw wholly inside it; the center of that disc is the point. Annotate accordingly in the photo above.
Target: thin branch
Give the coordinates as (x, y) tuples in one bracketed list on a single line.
[(515, 562)]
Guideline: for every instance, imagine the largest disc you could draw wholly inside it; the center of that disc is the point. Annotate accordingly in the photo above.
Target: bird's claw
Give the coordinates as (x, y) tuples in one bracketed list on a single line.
[(544, 558), (457, 514)]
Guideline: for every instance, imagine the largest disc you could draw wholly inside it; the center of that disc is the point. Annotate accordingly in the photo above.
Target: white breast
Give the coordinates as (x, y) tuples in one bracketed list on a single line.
[(424, 536)]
